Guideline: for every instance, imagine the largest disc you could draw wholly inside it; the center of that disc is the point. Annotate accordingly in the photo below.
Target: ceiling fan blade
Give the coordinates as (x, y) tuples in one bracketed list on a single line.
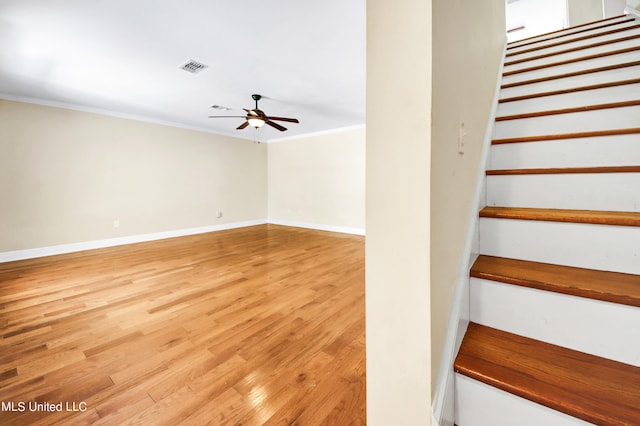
[(290, 120), (226, 116), (276, 125), (242, 126)]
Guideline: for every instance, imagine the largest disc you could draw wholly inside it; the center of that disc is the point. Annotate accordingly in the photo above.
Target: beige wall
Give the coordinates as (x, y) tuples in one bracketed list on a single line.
[(467, 47), (583, 11), (65, 176), (319, 180), (613, 8), (633, 4), (397, 212)]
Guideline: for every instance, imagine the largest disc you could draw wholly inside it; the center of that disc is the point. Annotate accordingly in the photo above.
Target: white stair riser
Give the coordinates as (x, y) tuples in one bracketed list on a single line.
[(604, 119), (571, 82), (604, 247), (478, 404), (588, 191), (573, 55), (573, 67), (619, 150), (570, 33), (577, 323), (576, 44), (629, 92)]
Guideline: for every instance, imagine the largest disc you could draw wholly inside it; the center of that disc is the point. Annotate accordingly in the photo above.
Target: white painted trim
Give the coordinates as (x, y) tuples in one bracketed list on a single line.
[(319, 226), (109, 113), (629, 10), (320, 133), (145, 119), (11, 256), (458, 319), (111, 242)]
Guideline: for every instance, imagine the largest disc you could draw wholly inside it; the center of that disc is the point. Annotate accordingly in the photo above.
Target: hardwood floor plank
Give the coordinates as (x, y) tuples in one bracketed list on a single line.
[(12, 372), (112, 344), (235, 405), (181, 372), (251, 325), (285, 386), (123, 406)]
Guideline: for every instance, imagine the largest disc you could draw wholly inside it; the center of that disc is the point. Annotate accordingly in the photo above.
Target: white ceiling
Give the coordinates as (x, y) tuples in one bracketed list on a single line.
[(307, 59)]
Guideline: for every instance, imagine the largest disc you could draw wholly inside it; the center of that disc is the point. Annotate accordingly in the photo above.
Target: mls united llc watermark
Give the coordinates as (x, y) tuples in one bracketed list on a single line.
[(51, 407)]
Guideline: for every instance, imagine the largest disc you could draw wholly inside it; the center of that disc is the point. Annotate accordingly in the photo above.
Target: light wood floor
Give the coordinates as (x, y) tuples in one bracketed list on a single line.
[(252, 326)]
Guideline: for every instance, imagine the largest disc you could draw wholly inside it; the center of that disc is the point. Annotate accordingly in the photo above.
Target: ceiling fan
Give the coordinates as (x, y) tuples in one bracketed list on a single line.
[(257, 118)]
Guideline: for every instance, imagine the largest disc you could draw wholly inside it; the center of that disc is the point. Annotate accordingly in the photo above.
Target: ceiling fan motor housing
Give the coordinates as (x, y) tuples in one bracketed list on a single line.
[(256, 118)]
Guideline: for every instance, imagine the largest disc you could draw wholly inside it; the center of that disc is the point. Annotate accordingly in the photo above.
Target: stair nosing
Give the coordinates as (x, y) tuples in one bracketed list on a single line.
[(572, 61), (586, 108), (561, 136), (573, 49), (592, 217), (565, 29), (570, 74), (581, 38), (570, 90), (607, 286), (592, 388), (563, 170)]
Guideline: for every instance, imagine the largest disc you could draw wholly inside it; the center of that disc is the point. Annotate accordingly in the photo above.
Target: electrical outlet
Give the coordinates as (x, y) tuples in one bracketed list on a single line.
[(219, 214), (116, 223)]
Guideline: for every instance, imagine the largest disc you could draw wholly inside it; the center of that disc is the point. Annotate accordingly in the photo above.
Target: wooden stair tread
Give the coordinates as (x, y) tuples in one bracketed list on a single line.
[(571, 40), (570, 90), (564, 170), (614, 287), (572, 60), (571, 74), (573, 49), (574, 135), (588, 387), (564, 29), (586, 108), (562, 215)]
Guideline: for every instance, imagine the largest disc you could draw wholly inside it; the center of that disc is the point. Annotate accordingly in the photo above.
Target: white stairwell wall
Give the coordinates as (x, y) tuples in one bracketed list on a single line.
[(604, 329)]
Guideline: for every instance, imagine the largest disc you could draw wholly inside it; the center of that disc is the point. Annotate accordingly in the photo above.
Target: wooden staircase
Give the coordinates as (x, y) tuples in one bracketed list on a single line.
[(554, 294)]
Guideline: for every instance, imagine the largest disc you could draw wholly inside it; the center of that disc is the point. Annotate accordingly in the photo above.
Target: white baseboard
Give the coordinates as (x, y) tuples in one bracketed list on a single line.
[(111, 242), (319, 226), (11, 256)]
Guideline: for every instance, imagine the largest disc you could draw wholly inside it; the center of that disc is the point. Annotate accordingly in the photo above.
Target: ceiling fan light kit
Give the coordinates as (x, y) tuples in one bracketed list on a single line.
[(256, 118), (256, 122)]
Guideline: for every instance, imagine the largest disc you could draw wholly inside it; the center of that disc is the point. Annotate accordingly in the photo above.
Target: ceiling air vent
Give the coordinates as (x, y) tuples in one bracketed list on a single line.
[(194, 66)]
